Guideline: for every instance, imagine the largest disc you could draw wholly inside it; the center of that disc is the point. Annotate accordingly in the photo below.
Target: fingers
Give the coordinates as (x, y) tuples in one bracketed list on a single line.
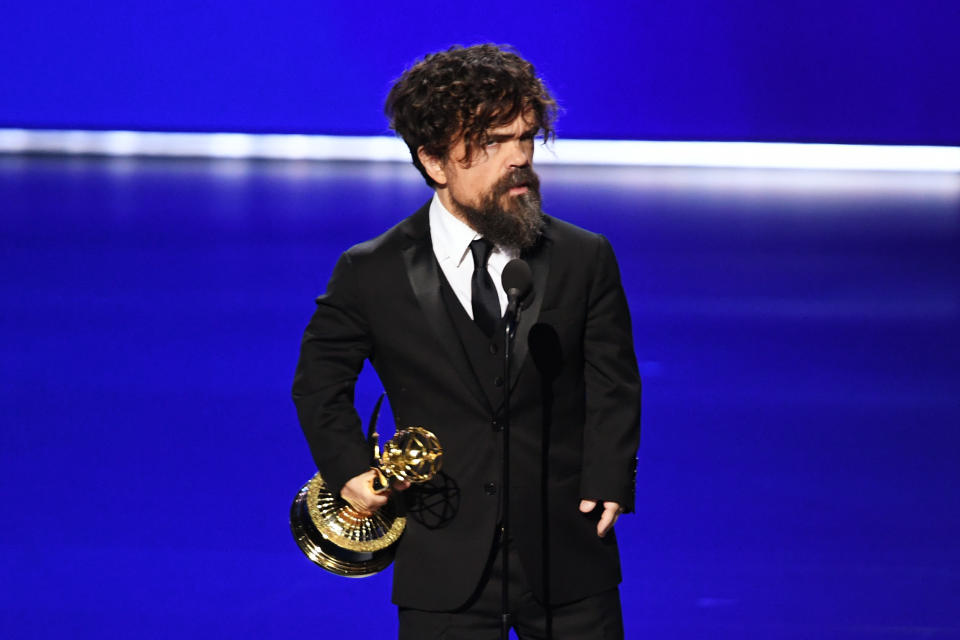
[(358, 491), (401, 485), (611, 511)]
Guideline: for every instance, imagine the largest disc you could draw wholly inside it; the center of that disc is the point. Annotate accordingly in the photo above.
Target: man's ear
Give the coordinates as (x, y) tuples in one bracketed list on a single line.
[(433, 165)]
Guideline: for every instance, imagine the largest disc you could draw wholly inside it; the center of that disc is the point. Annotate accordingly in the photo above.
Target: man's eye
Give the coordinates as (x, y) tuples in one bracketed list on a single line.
[(491, 143)]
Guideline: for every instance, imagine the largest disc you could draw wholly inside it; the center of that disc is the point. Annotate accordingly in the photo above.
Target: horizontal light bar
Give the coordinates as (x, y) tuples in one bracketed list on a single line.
[(761, 155), (203, 145)]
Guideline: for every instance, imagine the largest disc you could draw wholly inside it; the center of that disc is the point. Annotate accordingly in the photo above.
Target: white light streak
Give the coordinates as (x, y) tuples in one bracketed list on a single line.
[(758, 155)]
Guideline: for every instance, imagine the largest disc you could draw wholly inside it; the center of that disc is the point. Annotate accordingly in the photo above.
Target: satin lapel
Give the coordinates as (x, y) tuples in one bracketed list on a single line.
[(539, 261), (424, 275)]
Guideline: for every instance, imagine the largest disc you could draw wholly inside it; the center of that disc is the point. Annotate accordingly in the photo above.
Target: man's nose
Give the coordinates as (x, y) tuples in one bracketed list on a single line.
[(521, 153)]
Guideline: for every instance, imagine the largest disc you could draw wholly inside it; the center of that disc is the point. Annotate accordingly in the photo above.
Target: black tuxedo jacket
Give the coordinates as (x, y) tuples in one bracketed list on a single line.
[(575, 410)]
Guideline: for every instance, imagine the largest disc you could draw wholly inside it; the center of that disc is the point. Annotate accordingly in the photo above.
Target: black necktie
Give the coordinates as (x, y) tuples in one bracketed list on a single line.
[(483, 294)]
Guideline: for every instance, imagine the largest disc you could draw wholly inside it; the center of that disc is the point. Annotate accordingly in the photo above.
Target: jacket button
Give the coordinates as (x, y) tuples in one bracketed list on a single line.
[(490, 488), (498, 381), (496, 426), (493, 349)]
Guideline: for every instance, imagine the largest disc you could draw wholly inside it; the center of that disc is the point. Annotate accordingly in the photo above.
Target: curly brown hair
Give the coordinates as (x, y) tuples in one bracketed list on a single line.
[(464, 92)]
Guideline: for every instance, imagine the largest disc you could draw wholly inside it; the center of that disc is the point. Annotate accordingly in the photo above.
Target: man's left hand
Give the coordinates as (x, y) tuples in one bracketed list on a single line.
[(611, 511)]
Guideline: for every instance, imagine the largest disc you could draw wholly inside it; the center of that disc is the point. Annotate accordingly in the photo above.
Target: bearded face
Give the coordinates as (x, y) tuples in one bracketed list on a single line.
[(509, 212), (493, 188)]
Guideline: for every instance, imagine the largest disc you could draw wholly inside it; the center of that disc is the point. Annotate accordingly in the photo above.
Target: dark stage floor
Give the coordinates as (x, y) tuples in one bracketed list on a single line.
[(797, 333)]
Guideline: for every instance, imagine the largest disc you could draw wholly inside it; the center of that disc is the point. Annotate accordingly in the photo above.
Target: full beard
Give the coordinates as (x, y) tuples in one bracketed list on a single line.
[(506, 220)]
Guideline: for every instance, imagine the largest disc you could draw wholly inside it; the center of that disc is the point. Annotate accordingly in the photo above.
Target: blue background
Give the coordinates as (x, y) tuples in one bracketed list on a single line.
[(836, 71), (796, 331)]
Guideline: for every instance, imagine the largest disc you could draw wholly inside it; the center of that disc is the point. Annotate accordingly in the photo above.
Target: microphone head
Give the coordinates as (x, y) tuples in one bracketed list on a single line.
[(517, 280)]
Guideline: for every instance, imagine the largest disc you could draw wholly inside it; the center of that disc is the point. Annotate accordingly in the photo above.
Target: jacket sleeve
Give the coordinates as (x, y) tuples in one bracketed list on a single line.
[(612, 429), (334, 346)]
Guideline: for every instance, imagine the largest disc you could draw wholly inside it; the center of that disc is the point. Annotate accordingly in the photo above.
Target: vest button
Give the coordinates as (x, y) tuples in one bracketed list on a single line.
[(493, 349), (490, 488), (496, 426), (498, 381)]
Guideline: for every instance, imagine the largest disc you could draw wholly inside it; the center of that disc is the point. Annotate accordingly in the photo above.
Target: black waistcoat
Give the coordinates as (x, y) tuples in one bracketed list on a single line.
[(485, 354)]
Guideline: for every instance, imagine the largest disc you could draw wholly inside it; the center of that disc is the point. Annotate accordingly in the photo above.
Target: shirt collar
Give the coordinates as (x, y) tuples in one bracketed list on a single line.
[(451, 236)]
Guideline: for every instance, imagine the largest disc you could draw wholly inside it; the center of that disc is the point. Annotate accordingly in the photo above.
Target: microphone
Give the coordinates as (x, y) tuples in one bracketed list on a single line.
[(517, 281)]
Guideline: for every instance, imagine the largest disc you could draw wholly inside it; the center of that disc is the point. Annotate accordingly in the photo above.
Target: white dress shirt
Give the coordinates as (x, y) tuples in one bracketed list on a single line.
[(451, 245)]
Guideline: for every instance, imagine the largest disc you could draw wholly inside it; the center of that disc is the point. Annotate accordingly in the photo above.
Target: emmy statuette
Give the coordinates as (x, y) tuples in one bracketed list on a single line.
[(345, 541)]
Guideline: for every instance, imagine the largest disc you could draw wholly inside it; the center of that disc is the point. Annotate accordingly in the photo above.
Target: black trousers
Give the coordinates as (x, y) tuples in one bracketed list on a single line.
[(597, 617)]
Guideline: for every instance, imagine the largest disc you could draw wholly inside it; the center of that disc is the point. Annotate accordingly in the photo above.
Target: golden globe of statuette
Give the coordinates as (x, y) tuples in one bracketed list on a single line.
[(413, 455), (343, 541)]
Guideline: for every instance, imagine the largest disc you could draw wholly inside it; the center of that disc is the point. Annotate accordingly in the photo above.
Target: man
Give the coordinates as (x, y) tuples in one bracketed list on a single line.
[(423, 302)]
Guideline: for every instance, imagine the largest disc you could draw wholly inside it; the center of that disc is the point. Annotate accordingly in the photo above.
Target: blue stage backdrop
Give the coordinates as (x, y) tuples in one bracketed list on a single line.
[(845, 71)]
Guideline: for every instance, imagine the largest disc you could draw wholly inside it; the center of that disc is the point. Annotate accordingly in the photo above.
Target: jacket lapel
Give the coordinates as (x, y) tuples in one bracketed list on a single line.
[(538, 257), (424, 276)]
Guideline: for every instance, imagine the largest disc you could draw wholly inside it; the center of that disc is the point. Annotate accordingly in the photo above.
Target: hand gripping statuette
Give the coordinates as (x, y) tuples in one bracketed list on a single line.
[(344, 541)]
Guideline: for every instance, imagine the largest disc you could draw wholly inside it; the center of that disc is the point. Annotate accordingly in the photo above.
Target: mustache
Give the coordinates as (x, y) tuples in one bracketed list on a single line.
[(521, 176)]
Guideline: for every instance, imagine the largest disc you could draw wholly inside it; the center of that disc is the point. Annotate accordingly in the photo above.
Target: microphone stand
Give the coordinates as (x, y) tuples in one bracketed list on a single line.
[(511, 318)]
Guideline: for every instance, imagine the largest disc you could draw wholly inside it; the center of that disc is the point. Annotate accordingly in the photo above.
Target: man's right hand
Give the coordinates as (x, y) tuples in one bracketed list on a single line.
[(358, 491)]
